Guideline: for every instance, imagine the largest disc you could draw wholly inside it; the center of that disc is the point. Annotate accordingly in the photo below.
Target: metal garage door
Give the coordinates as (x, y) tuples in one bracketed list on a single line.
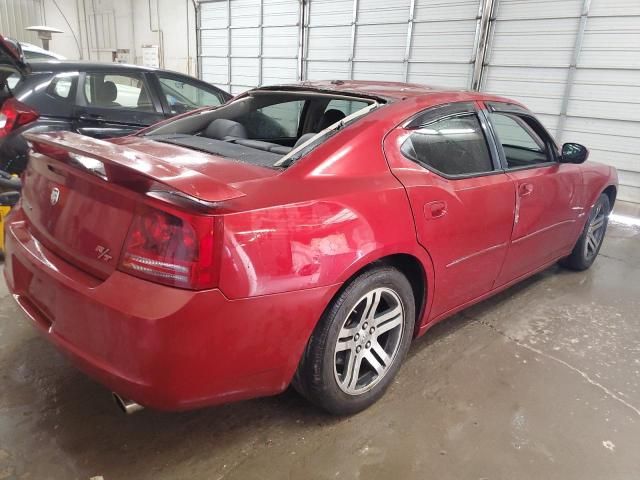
[(574, 62), (245, 43), (577, 64), (424, 41)]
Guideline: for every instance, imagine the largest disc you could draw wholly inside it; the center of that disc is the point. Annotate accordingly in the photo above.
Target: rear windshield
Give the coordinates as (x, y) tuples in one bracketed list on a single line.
[(266, 128)]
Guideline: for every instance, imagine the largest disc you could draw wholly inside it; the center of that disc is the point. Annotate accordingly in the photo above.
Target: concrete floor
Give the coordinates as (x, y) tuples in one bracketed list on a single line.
[(540, 382)]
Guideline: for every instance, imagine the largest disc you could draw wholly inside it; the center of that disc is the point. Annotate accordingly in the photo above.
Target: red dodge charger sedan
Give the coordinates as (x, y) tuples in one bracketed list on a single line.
[(299, 234)]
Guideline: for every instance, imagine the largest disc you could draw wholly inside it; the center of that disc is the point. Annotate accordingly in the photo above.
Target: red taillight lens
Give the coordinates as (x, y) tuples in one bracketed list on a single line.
[(176, 251), (14, 114)]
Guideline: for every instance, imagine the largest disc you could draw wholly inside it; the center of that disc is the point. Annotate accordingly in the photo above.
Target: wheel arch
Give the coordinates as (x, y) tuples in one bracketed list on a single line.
[(611, 191), (413, 261), (418, 271), (413, 269)]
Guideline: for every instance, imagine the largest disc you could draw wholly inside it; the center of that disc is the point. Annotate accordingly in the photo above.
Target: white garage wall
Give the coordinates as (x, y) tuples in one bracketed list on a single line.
[(604, 103), (530, 53), (245, 43), (422, 41), (95, 28), (443, 42), (16, 15), (575, 63)]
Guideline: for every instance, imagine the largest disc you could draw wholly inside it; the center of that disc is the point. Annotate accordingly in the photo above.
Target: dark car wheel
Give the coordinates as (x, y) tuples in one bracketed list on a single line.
[(359, 344), (590, 241)]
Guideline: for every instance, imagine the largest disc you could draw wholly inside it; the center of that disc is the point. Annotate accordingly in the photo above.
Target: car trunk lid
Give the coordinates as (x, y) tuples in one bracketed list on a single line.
[(11, 59), (12, 65), (80, 194)]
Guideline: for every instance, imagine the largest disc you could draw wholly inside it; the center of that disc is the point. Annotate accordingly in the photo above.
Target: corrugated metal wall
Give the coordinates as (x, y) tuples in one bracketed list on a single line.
[(530, 53), (576, 63), (604, 103), (15, 15), (424, 41), (244, 43)]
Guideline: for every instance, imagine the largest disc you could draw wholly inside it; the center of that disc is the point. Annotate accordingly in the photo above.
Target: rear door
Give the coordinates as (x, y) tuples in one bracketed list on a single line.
[(462, 201), (548, 203), (114, 104)]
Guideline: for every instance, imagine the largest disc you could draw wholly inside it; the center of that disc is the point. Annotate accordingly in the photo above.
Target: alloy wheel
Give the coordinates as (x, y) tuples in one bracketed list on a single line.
[(595, 232), (369, 341)]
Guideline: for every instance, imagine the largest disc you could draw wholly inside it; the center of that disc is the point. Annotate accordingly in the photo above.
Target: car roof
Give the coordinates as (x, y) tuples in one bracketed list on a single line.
[(68, 65), (30, 47), (388, 91)]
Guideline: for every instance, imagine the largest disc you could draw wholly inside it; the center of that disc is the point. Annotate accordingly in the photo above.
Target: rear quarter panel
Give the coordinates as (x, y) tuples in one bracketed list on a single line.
[(315, 242), (320, 221), (596, 178)]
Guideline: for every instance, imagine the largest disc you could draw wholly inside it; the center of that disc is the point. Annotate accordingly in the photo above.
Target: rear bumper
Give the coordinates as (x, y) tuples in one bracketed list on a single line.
[(163, 347)]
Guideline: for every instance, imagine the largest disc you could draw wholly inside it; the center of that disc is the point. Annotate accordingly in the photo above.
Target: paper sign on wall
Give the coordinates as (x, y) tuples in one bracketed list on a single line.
[(150, 56)]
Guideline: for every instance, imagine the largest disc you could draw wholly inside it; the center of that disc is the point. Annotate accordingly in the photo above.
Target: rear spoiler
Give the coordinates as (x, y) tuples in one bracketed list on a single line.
[(177, 179)]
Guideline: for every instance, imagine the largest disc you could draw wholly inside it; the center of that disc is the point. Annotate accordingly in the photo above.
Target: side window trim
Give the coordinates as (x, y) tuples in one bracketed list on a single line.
[(153, 93), (304, 119), (495, 148), (79, 97), (154, 81), (438, 112), (527, 117), (452, 110)]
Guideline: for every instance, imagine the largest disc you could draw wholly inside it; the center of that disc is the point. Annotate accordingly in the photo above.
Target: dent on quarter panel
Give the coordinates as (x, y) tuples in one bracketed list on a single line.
[(309, 244), (326, 216)]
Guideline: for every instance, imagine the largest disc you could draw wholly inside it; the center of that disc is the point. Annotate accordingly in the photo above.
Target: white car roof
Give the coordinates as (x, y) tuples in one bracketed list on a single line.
[(29, 47)]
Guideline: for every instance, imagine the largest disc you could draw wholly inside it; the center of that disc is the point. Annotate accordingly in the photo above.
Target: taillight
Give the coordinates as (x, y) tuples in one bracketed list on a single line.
[(14, 114), (176, 251)]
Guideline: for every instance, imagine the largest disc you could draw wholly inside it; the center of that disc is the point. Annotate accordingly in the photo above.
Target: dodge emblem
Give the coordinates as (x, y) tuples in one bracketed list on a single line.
[(55, 196)]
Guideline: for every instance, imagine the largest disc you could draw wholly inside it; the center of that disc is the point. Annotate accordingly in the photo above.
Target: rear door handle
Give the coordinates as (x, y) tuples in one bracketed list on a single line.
[(525, 189), (90, 117), (435, 209)]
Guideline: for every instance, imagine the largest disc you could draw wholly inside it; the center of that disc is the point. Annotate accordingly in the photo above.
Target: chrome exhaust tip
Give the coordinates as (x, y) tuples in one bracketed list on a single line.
[(127, 406)]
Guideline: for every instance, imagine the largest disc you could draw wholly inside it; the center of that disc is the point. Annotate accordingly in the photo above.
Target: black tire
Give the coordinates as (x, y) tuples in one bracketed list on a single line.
[(318, 377), (585, 251)]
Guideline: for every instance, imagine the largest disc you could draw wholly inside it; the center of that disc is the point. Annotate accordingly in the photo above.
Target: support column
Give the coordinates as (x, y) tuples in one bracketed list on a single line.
[(568, 86)]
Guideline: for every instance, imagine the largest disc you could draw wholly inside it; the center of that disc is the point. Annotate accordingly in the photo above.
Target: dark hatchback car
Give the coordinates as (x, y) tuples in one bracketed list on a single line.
[(96, 99)]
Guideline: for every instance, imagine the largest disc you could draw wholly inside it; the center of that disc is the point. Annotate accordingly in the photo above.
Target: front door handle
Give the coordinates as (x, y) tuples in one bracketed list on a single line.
[(525, 189), (435, 209)]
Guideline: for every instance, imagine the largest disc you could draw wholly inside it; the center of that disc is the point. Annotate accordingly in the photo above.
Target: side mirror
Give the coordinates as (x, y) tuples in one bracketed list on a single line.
[(574, 153)]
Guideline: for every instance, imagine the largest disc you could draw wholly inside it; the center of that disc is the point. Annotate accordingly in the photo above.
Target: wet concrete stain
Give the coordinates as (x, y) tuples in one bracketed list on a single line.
[(541, 381)]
